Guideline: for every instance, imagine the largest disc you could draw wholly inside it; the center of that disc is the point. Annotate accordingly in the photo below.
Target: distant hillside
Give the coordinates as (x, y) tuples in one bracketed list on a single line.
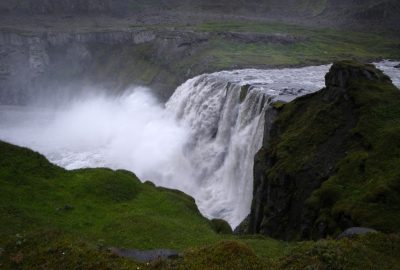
[(352, 13)]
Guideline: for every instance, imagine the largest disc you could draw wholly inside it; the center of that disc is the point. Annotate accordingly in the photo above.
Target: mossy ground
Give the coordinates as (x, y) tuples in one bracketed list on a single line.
[(100, 204), (57, 219), (43, 207)]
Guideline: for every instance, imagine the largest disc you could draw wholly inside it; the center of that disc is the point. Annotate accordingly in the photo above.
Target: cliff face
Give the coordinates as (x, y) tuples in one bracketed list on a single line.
[(35, 61), (158, 58), (329, 159)]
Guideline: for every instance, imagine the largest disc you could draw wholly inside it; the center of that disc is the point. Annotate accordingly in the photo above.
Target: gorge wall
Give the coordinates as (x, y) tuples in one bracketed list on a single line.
[(42, 61), (34, 62), (329, 159)]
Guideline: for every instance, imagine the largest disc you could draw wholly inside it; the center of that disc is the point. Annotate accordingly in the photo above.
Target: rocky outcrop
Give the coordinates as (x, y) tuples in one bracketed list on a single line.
[(319, 153)]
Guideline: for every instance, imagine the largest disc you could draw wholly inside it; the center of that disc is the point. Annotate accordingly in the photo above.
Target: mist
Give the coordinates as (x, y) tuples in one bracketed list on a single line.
[(132, 131)]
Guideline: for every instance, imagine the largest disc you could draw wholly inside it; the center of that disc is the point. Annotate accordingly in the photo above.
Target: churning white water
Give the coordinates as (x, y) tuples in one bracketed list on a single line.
[(202, 141)]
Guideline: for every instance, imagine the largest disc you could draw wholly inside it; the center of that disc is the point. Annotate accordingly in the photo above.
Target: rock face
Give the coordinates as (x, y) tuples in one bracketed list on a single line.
[(31, 62), (317, 173)]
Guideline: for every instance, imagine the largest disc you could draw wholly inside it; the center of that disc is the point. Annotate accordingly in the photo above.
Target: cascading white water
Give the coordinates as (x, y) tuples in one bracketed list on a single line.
[(225, 136), (225, 112), (202, 143)]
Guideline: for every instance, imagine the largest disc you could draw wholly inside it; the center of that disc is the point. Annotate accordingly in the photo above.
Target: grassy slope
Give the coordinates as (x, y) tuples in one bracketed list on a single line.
[(99, 204), (55, 219), (321, 45), (44, 207)]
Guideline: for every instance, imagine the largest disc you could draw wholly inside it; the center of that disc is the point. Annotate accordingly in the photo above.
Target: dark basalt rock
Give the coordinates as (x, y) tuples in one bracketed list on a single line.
[(397, 66), (305, 142)]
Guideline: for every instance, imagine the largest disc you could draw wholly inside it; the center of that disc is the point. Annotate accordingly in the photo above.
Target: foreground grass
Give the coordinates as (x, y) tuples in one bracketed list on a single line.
[(43, 207), (99, 204), (55, 219)]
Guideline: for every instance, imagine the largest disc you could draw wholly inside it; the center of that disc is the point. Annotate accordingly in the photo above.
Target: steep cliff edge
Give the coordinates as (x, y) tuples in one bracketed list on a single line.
[(330, 159)]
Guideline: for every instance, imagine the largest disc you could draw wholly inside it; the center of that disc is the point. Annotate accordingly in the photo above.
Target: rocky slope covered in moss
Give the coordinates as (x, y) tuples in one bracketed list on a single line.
[(330, 159)]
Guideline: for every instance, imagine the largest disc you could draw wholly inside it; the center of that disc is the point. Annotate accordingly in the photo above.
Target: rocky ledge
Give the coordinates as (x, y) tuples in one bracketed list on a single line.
[(329, 160)]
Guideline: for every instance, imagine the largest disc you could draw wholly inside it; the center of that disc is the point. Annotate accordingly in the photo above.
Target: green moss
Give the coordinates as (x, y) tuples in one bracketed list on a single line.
[(359, 133), (223, 255), (57, 219), (278, 105), (109, 185), (221, 226), (95, 203), (373, 251), (54, 250)]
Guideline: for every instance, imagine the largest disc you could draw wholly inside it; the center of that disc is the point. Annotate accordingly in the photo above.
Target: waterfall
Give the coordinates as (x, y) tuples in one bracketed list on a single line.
[(225, 113), (202, 142)]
